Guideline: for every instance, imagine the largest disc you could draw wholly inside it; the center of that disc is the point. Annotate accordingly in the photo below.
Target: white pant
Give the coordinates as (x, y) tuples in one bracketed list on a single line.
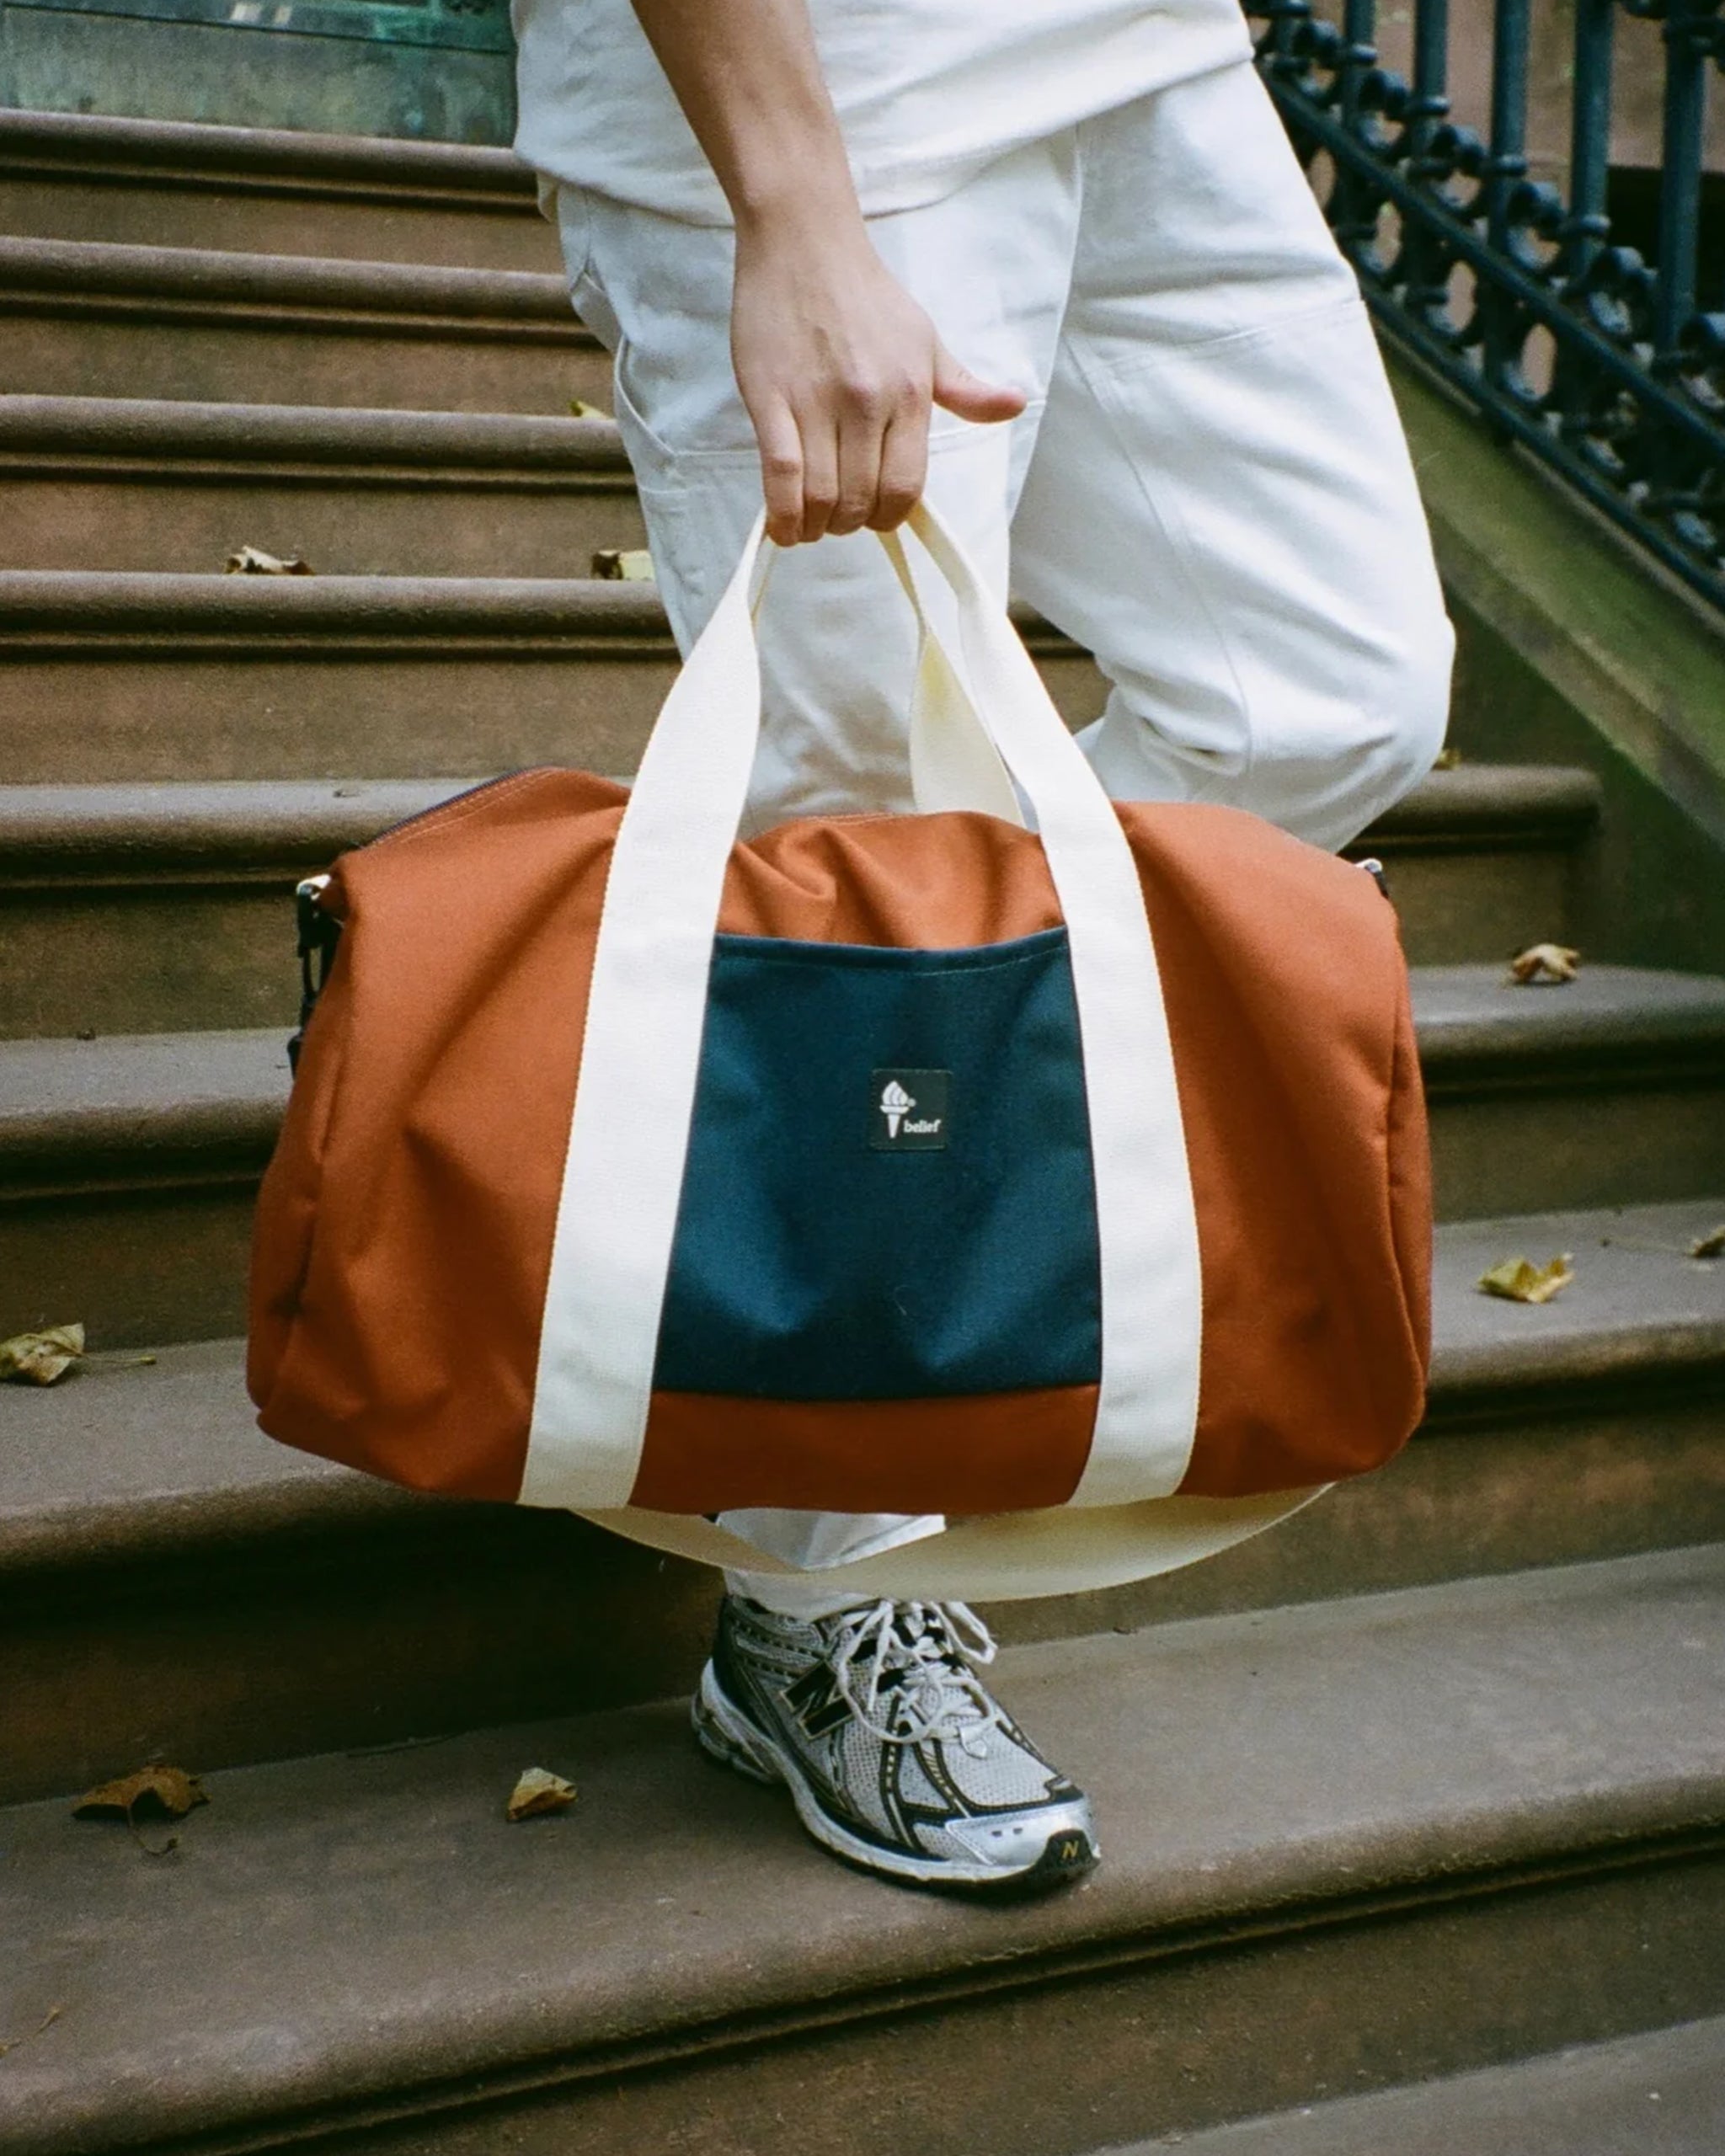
[(1209, 488)]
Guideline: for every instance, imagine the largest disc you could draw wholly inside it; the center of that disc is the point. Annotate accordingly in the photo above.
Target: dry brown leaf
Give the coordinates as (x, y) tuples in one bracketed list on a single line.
[(252, 561), (579, 408), (1448, 758), (154, 1792), (41, 1357), (160, 1792), (539, 1792), (1542, 962), (1711, 1246), (624, 564), (1519, 1280)]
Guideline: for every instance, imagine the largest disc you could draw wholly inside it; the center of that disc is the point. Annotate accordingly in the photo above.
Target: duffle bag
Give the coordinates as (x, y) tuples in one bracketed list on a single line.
[(1053, 1164)]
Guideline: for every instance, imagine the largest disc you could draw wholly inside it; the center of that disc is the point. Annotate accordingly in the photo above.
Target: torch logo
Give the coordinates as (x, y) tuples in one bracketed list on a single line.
[(895, 1104)]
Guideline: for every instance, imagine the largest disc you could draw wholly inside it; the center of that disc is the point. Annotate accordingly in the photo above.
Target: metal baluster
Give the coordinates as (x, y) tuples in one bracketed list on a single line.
[(1680, 186), (1505, 169), (1590, 129), (1425, 268)]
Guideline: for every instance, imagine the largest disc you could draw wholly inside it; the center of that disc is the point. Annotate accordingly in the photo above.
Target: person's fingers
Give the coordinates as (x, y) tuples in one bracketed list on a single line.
[(865, 413), (821, 473), (781, 472), (968, 396), (903, 467)]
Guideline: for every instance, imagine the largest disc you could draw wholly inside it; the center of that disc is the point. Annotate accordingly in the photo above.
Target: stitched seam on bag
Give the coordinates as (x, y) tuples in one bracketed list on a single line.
[(992, 957), (454, 811)]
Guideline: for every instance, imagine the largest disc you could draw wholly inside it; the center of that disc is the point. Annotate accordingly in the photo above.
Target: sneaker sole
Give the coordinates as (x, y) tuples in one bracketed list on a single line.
[(725, 1733)]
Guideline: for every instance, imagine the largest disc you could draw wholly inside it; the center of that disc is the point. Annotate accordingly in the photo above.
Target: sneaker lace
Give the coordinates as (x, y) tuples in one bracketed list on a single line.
[(907, 1672)]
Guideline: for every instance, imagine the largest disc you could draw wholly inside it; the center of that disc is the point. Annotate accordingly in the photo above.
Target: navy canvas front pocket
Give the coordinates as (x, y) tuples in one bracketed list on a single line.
[(889, 1192)]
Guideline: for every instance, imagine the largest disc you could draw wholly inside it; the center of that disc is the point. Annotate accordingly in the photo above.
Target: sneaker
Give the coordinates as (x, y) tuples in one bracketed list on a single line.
[(895, 1754)]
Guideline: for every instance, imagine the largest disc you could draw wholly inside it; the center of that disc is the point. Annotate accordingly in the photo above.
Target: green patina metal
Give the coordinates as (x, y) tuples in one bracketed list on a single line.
[(435, 70)]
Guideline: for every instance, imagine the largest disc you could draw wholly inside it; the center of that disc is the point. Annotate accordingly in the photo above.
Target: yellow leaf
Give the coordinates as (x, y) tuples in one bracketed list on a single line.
[(1544, 962), (252, 561), (1519, 1280), (539, 1790), (167, 1792), (624, 564), (1712, 1246), (41, 1357), (1448, 758), (579, 408)]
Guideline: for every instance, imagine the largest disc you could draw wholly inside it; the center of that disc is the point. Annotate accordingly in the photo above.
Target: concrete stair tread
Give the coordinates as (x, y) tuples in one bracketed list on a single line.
[(72, 607), (195, 154), (258, 823), (187, 436), (1469, 1015), (347, 1928), (130, 1459), (86, 273), (1661, 2092), (1469, 800), (1463, 1013)]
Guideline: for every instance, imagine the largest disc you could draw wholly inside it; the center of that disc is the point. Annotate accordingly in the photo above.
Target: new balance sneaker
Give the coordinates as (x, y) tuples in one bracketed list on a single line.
[(896, 1755)]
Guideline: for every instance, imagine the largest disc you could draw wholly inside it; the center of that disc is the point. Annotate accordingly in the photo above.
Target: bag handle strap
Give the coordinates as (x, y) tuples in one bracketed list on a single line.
[(628, 1139)]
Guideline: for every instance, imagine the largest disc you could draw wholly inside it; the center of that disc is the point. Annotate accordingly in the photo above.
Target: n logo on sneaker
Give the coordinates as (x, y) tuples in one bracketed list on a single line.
[(817, 1702)]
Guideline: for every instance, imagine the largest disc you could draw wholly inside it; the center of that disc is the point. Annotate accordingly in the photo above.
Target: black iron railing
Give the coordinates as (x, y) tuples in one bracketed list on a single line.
[(1604, 361)]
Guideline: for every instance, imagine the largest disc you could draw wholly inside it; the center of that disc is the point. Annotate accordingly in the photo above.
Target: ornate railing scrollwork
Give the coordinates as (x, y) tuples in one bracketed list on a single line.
[(1608, 367)]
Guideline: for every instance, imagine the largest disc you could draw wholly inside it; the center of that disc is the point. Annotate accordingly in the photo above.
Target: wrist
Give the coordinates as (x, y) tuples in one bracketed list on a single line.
[(788, 209)]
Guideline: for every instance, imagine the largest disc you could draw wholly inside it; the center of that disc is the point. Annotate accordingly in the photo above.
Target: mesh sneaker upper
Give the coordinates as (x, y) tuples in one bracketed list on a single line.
[(884, 1711)]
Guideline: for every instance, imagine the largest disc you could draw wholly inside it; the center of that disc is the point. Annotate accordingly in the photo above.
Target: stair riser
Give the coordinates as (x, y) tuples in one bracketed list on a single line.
[(435, 524), (537, 369), (435, 1618), (1460, 907), (264, 222), (137, 956), (151, 712), (1168, 2043)]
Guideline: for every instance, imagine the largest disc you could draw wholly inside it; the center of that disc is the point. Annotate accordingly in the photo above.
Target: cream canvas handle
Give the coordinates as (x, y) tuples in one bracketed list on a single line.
[(628, 1139)]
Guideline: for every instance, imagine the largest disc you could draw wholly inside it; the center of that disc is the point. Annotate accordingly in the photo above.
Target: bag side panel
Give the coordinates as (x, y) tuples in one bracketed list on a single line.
[(468, 947), (1286, 987)]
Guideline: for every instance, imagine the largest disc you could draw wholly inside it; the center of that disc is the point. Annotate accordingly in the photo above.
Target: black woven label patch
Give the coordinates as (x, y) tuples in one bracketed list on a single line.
[(910, 1111)]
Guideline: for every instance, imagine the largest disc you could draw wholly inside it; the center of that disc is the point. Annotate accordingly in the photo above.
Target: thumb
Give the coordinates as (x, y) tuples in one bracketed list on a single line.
[(968, 396)]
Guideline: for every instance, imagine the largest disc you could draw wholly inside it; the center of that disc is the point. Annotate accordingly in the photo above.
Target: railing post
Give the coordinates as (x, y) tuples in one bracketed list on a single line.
[(1590, 131), (1688, 37), (1505, 169)]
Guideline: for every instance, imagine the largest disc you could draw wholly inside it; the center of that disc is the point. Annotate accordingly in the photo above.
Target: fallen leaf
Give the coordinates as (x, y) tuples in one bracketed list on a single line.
[(47, 2021), (579, 408), (252, 561), (624, 564), (156, 1792), (1542, 962), (41, 1357), (1712, 1246), (1519, 1280), (539, 1790), (1448, 758), (161, 1792)]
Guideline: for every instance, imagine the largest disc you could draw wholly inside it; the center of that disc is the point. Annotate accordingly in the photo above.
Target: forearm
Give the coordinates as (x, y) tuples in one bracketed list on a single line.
[(748, 77)]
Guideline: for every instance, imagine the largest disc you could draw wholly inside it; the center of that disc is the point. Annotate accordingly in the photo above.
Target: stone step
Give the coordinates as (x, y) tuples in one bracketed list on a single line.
[(1350, 1844), (127, 1163), (172, 1581), (163, 182), (1659, 2093), (119, 483), (143, 908), (218, 677), (103, 318)]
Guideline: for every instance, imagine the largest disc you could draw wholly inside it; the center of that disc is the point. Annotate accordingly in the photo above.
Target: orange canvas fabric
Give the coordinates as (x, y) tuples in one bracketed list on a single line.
[(405, 1225)]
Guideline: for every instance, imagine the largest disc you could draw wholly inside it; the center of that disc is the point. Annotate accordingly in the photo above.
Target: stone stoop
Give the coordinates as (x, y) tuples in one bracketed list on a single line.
[(1429, 1781)]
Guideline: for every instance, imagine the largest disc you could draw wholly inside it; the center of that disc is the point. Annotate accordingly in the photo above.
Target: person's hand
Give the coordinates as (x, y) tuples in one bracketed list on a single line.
[(839, 368)]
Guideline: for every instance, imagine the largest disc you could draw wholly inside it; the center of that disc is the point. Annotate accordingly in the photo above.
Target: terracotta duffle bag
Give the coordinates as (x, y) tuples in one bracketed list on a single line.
[(1062, 1172)]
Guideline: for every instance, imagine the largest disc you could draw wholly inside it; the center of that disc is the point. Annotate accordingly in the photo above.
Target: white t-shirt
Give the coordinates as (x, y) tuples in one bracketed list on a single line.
[(927, 91)]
